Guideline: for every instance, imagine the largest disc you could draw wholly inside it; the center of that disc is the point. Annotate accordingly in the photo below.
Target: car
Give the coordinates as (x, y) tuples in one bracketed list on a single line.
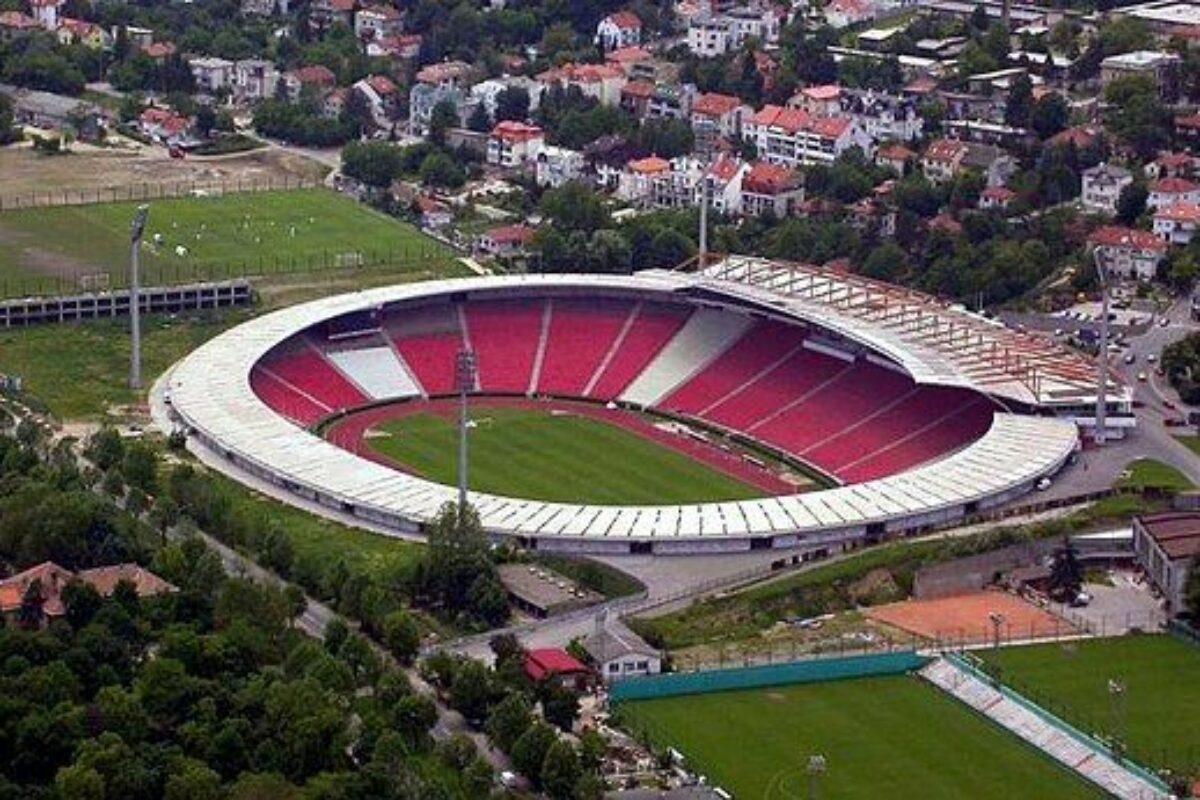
[(1141, 376), (1130, 358), (1080, 600), (1175, 422), (1043, 484), (1164, 322), (1151, 358), (1169, 404)]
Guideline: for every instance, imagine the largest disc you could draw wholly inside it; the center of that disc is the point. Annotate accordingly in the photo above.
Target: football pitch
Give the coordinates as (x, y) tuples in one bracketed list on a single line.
[(252, 233), (1161, 705), (554, 457), (893, 737)]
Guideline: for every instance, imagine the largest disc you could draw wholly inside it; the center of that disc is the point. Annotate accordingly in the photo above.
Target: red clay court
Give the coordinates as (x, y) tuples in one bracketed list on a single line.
[(967, 618)]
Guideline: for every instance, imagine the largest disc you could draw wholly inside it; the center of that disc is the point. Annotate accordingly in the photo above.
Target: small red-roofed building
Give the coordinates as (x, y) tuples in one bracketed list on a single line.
[(635, 98), (324, 13), (163, 125), (554, 664), (513, 144), (14, 24), (996, 197), (1187, 128), (619, 29), (771, 189), (508, 240), (843, 13), (944, 223), (896, 156), (315, 77), (376, 22), (404, 47), (724, 178), (48, 580), (635, 184), (1081, 137), (1166, 192), (451, 74), (1172, 165), (1177, 224), (433, 213), (159, 52), (717, 115), (821, 101), (1128, 253), (601, 82), (77, 31)]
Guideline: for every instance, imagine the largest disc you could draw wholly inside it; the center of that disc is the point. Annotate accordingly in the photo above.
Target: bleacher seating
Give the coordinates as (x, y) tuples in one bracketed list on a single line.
[(581, 334), (704, 337), (299, 365), (376, 369), (655, 325), (284, 399), (429, 340), (505, 335)]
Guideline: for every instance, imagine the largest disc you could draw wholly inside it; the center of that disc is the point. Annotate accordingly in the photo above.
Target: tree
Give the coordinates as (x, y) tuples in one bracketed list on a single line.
[(471, 691), (82, 601), (439, 169), (512, 103), (139, 467), (669, 248), (574, 207), (479, 121), (1066, 574), (1050, 115), (560, 705), (560, 771), (591, 750), (413, 716), (31, 614), (105, 448), (193, 780), (1131, 203), (377, 164), (206, 120), (1140, 119), (79, 783), (401, 636), (9, 132), (443, 117), (508, 720), (590, 786), (1019, 106), (336, 633), (529, 752)]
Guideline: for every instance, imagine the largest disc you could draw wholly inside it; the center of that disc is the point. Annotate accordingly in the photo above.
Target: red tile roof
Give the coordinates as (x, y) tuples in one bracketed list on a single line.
[(829, 127), (1080, 137), (513, 131), (896, 152), (723, 169), (1117, 236), (945, 150), (789, 119), (625, 20), (382, 84), (105, 579), (1174, 186), (1177, 533), (1180, 212), (387, 12), (552, 661), (638, 89), (712, 104), (628, 55), (15, 19), (159, 49), (511, 234), (318, 74), (649, 165), (443, 72), (1001, 193), (54, 579), (830, 91), (766, 178)]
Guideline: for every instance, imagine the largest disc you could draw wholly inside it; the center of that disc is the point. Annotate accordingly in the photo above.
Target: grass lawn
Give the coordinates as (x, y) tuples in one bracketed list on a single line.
[(1190, 442), (1162, 679), (253, 233), (893, 737), (1146, 473), (564, 458)]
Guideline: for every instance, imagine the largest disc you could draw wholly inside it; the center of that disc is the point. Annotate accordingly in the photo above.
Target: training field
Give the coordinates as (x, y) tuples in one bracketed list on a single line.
[(893, 737), (554, 455), (52, 249), (1162, 698), (967, 618)]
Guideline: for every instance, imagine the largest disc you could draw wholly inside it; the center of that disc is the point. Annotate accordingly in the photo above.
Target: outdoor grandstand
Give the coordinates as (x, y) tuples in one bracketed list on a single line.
[(907, 412)]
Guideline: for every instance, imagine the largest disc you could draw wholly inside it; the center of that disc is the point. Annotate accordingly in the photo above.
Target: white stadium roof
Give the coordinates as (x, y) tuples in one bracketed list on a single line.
[(211, 393)]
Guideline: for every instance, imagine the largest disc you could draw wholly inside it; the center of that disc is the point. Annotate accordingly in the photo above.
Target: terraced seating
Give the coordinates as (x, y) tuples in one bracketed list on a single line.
[(655, 325), (580, 336), (504, 335)]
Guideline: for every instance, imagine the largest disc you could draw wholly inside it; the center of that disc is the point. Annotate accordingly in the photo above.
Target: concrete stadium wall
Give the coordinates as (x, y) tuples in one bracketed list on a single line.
[(677, 684)]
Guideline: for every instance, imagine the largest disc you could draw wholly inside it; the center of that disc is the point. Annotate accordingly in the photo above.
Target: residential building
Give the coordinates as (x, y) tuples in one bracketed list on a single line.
[(254, 79), (1081, 138), (377, 22), (1166, 192), (14, 24), (996, 198), (896, 156), (47, 581), (1128, 253), (554, 664), (314, 78), (55, 112), (635, 98), (717, 116), (1167, 546), (843, 13), (164, 125), (1161, 67), (621, 29), (1172, 165), (140, 38), (212, 75), (423, 98), (945, 159), (619, 652), (821, 101), (883, 117), (1177, 224), (555, 166), (601, 82), (791, 136), (456, 74), (78, 31), (758, 21), (382, 96), (710, 37), (654, 182), (404, 47), (158, 52), (434, 214), (47, 12), (672, 101), (771, 189), (509, 240), (324, 13), (1102, 186), (724, 184), (514, 144), (486, 92)]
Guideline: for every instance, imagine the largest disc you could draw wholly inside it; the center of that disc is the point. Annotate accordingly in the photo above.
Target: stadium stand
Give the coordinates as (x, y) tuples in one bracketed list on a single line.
[(705, 336), (302, 367), (285, 399), (581, 334), (428, 339), (376, 370), (654, 326), (505, 336), (802, 373), (1045, 733)]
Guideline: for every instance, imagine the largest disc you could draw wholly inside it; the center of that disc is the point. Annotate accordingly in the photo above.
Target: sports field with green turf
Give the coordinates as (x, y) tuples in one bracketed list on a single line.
[(891, 737), (559, 458), (1161, 675), (253, 233)]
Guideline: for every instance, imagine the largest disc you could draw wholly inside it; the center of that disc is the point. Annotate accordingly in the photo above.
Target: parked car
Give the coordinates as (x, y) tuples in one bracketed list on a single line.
[(1130, 358), (1141, 377)]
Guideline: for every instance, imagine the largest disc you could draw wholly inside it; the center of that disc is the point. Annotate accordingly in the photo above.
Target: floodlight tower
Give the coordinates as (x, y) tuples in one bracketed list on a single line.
[(1102, 379), (136, 228), (702, 254), (465, 366)]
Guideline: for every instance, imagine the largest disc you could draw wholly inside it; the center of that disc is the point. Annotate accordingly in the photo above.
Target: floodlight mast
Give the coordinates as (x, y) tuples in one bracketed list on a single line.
[(465, 366), (1102, 379), (136, 229)]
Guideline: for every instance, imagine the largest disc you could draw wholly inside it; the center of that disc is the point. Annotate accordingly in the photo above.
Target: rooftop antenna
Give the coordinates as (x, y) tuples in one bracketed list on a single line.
[(465, 366), (136, 229)]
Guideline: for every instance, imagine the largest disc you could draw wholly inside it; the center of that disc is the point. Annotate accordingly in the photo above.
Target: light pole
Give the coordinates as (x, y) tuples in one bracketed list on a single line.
[(465, 365), (702, 251), (816, 768), (136, 228), (997, 620), (1102, 380), (1116, 697)]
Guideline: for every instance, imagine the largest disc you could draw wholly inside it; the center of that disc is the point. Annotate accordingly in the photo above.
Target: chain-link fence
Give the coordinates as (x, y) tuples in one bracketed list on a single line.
[(152, 190)]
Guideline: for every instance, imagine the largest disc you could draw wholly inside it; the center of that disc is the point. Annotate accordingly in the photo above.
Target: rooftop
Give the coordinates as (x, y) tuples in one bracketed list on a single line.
[(1117, 236), (1176, 532)]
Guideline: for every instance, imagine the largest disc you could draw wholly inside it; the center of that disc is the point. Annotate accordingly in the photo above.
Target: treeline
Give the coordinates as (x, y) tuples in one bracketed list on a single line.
[(302, 123), (204, 693)]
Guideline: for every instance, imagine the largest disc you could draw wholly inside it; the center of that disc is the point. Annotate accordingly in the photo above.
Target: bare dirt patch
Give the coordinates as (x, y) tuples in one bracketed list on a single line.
[(969, 618)]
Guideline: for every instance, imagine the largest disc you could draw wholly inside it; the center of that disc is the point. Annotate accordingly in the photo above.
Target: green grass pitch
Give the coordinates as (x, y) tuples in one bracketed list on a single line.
[(1162, 698), (559, 458), (893, 737), (226, 236)]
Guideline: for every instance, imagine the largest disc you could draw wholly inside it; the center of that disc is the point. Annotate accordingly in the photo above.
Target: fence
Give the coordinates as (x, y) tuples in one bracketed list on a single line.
[(146, 191), (676, 684), (174, 273)]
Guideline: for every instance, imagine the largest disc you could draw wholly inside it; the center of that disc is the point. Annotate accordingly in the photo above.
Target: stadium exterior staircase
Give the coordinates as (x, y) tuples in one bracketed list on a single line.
[(1045, 732)]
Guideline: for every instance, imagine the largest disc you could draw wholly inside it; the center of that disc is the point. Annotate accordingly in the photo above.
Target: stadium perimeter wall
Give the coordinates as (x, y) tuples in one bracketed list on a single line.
[(820, 670)]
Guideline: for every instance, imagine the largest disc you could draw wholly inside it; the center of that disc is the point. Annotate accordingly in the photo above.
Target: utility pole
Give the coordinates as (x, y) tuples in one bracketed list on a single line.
[(1102, 380), (136, 229), (465, 366), (702, 255)]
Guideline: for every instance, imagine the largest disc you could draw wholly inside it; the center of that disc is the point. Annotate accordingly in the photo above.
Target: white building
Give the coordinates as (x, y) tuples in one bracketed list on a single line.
[(558, 165), (514, 144), (377, 22), (1177, 224), (211, 74), (792, 136), (622, 29), (1102, 185), (709, 35), (884, 117), (1127, 253), (254, 79), (619, 652), (1167, 192)]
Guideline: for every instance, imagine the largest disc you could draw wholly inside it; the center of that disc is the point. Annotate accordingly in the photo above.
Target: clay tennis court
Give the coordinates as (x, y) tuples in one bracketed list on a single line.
[(967, 618)]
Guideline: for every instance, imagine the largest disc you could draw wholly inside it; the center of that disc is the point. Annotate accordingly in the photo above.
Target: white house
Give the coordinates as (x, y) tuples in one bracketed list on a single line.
[(792, 136), (1128, 253), (771, 189), (619, 652), (1172, 191), (254, 79), (843, 13), (717, 116), (1102, 185), (514, 144), (211, 74), (1177, 224), (710, 37), (617, 30), (47, 12), (724, 185), (883, 117), (377, 22), (555, 166)]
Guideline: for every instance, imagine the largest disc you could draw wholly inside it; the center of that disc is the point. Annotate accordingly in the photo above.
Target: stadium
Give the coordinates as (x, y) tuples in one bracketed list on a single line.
[(853, 410)]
